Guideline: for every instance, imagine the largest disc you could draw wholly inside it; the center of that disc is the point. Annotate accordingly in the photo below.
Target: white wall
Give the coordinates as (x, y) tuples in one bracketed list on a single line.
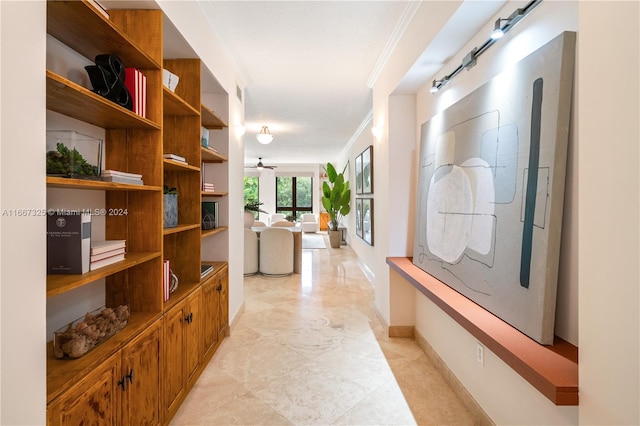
[(605, 256), (389, 175), (365, 252), (609, 212), (22, 179)]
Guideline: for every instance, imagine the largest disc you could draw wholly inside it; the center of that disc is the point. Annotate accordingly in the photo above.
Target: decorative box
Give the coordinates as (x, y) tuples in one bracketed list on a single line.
[(169, 80), (76, 339), (74, 155)]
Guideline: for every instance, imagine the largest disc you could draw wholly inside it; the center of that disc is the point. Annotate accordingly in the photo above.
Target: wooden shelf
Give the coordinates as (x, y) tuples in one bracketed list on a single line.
[(211, 156), (180, 228), (184, 289), (68, 183), (553, 370), (217, 230), (59, 284), (214, 194), (73, 100), (211, 119), (62, 372), (175, 105), (178, 166), (86, 31), (216, 267)]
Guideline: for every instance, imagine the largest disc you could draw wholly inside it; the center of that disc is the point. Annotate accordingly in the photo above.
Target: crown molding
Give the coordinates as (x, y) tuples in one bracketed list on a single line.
[(403, 23)]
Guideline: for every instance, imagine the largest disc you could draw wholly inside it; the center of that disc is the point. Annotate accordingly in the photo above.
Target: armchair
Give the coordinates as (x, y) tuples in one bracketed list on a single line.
[(276, 217), (309, 223)]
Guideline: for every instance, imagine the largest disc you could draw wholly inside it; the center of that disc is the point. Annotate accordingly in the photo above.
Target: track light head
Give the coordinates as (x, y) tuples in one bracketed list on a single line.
[(497, 29)]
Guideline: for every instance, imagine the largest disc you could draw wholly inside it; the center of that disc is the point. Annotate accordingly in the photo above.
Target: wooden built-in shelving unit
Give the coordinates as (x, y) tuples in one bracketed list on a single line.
[(167, 343)]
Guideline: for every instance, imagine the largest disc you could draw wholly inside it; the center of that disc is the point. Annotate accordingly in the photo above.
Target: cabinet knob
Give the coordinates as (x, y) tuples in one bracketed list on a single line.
[(123, 383), (219, 288)]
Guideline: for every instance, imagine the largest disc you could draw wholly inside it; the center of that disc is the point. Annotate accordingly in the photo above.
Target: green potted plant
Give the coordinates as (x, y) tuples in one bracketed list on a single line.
[(336, 200), (251, 207), (170, 207)]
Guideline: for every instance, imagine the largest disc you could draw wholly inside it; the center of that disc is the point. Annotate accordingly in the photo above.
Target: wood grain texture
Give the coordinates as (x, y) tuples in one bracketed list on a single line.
[(86, 31)]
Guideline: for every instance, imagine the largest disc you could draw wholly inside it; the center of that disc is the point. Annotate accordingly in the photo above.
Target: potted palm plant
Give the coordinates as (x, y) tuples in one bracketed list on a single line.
[(336, 200)]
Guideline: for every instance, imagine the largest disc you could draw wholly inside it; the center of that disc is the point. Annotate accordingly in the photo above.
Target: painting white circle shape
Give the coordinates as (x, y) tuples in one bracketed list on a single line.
[(449, 214), (483, 198)]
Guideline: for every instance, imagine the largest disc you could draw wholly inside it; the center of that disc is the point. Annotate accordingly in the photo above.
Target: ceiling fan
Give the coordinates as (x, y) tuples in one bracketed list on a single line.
[(261, 166)]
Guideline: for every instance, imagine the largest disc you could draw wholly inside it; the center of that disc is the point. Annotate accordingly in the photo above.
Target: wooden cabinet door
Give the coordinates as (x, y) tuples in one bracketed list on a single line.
[(210, 313), (223, 319), (141, 372), (193, 352), (174, 357), (93, 401)]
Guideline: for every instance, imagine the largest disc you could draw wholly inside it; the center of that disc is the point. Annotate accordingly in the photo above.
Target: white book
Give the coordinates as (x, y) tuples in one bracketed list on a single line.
[(106, 254), (174, 157), (108, 261), (98, 247), (121, 174), (120, 179)]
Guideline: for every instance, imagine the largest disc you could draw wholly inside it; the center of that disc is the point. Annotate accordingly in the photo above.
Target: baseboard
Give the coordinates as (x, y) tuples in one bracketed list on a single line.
[(481, 418), (401, 331), (234, 321)]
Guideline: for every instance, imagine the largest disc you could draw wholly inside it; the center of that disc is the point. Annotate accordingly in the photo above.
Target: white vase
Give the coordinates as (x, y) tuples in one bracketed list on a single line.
[(248, 219)]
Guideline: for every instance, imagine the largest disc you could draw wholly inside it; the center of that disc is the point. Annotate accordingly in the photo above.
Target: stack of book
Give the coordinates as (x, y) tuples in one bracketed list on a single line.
[(175, 157), (208, 187), (121, 177), (136, 83), (105, 253)]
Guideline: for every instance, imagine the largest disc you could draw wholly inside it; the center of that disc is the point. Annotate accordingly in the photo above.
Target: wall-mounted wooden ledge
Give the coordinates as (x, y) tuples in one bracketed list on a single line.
[(552, 370)]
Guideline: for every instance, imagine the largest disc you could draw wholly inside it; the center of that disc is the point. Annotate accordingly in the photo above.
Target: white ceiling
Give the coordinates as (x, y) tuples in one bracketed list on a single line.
[(308, 65)]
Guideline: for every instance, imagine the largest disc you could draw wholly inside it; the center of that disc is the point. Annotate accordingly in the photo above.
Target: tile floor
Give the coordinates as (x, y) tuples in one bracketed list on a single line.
[(310, 350)]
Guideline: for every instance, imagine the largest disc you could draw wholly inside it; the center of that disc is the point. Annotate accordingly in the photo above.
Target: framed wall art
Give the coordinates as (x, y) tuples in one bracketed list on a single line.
[(367, 220), (367, 170), (359, 217), (359, 174)]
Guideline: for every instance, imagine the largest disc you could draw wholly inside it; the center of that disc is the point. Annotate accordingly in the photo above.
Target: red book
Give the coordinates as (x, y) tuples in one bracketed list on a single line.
[(143, 95), (133, 82)]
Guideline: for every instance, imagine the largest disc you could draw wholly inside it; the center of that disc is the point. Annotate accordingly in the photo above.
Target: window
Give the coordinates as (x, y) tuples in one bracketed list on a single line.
[(294, 196), (252, 191)]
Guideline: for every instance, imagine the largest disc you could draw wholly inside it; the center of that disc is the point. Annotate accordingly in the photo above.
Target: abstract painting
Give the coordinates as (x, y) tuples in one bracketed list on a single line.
[(491, 189)]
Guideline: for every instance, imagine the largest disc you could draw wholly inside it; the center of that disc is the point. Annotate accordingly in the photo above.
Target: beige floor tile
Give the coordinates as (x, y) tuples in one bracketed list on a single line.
[(309, 349)]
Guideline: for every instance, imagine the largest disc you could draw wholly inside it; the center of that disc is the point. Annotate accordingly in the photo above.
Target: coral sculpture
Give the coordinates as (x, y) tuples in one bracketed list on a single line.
[(87, 333)]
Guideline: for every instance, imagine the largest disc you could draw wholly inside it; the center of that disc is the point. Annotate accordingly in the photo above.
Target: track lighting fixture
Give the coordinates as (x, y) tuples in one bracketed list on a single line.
[(500, 28)]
